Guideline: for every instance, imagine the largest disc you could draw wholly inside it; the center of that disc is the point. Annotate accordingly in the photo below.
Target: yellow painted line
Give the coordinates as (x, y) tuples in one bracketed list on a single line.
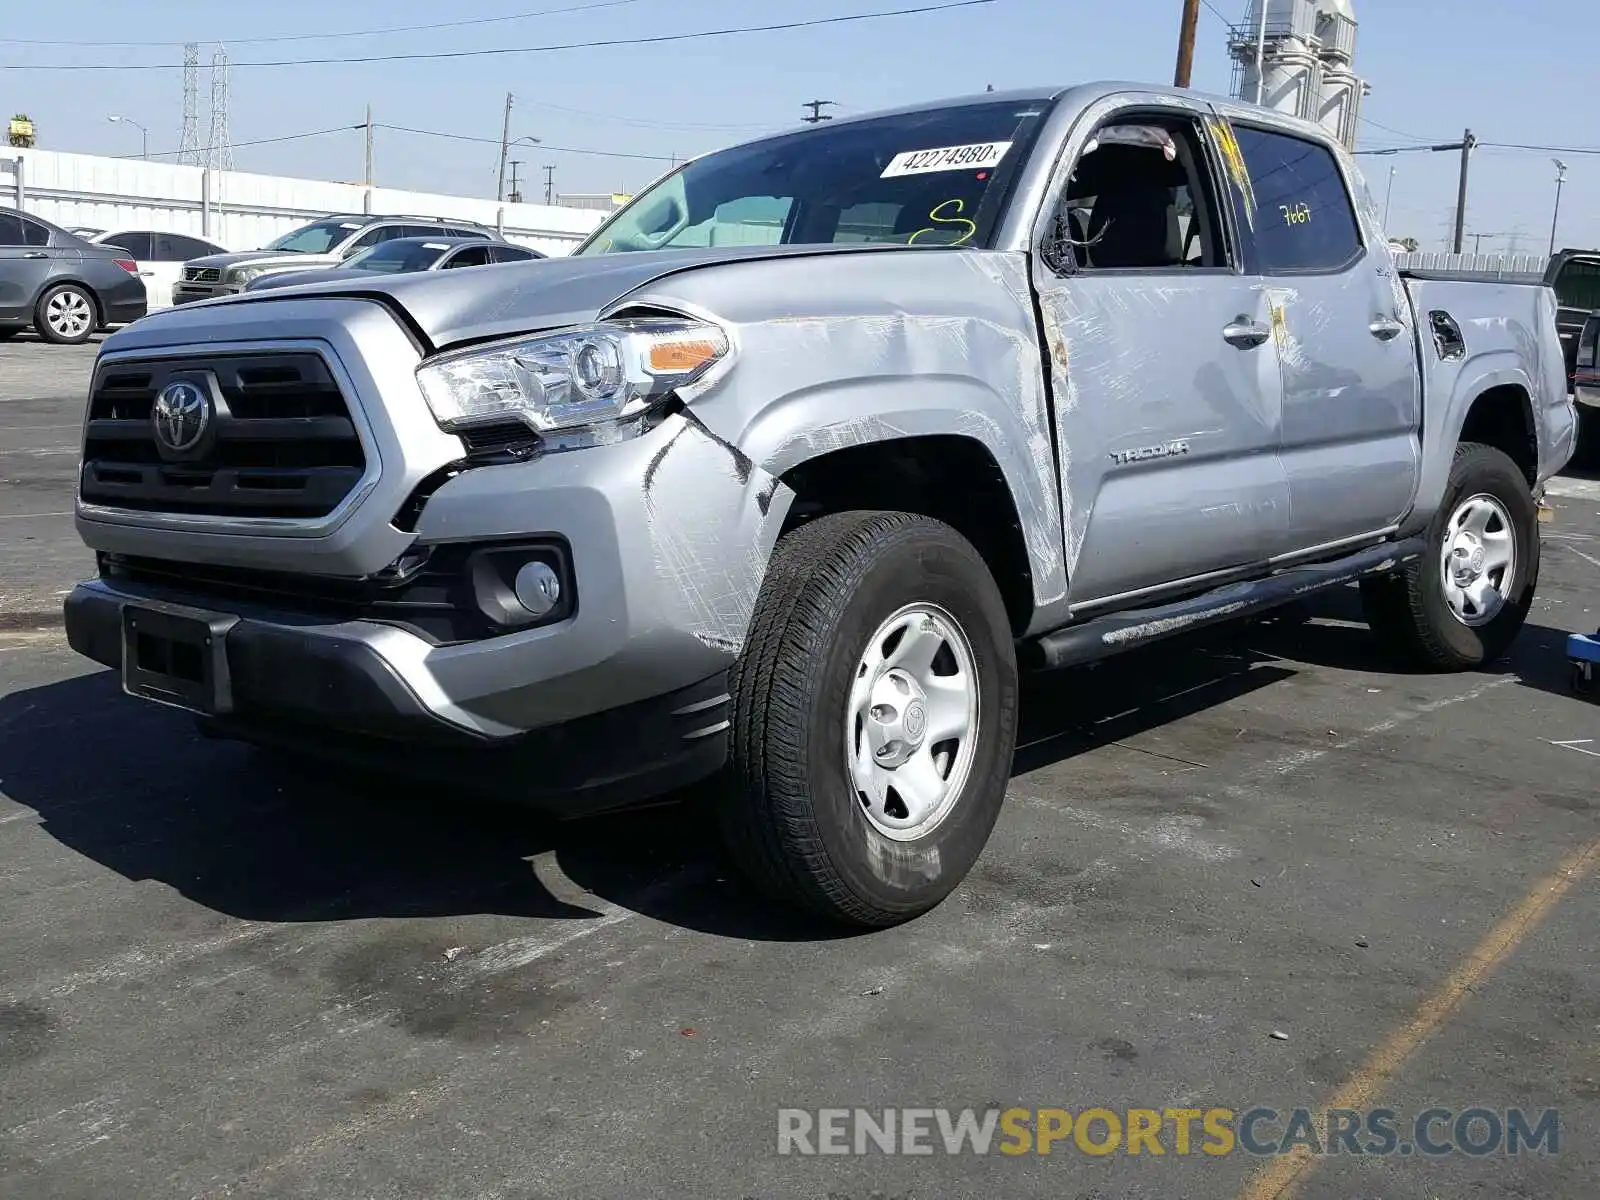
[(1284, 1177)]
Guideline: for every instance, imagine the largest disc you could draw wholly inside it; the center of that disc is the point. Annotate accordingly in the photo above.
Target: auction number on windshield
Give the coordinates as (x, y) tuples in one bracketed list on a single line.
[(977, 157), (1295, 214)]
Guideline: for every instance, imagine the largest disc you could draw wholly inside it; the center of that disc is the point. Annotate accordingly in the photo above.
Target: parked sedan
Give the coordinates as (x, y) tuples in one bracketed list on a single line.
[(160, 257), (61, 285), (402, 256)]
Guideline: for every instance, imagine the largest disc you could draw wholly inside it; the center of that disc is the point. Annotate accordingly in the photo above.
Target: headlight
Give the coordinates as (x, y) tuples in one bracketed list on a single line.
[(591, 376), (246, 274)]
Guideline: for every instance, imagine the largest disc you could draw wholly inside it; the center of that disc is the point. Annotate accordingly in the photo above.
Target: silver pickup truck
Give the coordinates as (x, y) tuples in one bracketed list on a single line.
[(784, 475)]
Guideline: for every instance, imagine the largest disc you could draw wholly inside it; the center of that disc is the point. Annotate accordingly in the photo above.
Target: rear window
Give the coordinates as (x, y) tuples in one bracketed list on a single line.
[(394, 257), (935, 178), (1577, 284)]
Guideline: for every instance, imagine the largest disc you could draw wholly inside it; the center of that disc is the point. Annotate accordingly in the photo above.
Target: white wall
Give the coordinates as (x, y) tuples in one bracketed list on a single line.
[(244, 211)]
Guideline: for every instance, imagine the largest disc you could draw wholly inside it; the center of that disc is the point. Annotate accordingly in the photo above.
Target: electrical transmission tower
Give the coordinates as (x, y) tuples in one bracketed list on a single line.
[(816, 107), (219, 148), (189, 135)]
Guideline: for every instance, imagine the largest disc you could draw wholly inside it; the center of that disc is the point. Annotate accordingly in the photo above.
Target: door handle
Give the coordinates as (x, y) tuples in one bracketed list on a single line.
[(147, 274), (36, 254), (1386, 328), (1245, 333)]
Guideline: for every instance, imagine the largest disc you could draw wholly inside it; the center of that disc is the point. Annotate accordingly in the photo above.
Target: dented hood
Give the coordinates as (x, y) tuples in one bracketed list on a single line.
[(450, 307)]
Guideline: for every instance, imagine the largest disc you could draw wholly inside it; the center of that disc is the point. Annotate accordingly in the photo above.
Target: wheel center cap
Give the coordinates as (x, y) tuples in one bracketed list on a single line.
[(1475, 560), (916, 720), (897, 721)]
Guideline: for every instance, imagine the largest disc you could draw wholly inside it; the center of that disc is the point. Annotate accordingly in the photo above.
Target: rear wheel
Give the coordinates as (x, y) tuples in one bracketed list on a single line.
[(1461, 604), (875, 714), (65, 315)]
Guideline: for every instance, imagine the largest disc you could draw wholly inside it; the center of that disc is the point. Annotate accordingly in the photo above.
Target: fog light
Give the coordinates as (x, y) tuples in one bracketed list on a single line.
[(538, 588)]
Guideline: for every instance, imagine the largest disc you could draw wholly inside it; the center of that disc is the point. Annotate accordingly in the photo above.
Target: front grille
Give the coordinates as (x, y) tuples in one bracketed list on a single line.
[(281, 442), (202, 274)]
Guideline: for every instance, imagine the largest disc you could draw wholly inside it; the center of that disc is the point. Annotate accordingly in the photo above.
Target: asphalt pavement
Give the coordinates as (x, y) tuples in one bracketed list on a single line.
[(1259, 868)]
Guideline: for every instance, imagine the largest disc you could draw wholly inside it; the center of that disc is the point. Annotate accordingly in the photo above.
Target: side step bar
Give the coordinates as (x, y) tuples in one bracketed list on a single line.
[(1101, 637)]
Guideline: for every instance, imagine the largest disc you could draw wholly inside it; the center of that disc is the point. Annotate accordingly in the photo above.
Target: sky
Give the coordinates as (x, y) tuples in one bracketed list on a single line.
[(1435, 68)]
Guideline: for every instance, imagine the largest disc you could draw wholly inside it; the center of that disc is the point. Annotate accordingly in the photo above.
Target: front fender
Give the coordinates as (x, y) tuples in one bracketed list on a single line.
[(818, 419)]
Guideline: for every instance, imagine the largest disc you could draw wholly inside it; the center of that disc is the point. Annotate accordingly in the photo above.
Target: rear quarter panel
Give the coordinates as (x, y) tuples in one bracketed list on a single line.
[(1510, 335)]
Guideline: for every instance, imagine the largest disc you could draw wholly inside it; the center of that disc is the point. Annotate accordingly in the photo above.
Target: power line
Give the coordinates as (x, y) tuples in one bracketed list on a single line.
[(1217, 12), (288, 137), (599, 44), (466, 137), (351, 33), (643, 122), (1410, 137)]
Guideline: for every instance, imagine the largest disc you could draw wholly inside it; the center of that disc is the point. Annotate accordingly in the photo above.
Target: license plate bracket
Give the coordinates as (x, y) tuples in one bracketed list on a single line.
[(178, 658)]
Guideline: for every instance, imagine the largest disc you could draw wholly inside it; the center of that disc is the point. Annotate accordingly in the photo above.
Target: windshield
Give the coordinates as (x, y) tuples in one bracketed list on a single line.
[(935, 178), (391, 258), (319, 237)]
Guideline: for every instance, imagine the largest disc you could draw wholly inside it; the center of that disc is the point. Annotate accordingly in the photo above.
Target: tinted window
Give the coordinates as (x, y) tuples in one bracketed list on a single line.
[(1303, 217), (34, 234), (174, 247), (10, 229), (1577, 284), (929, 178), (394, 256), (472, 256), (136, 244), (513, 254), (467, 233)]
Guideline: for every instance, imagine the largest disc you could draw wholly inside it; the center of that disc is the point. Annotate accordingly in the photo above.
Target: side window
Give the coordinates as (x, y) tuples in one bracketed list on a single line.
[(1303, 219), (472, 256), (136, 244), (1140, 197), (379, 233), (432, 231), (174, 247), (34, 234), (511, 254), (10, 229)]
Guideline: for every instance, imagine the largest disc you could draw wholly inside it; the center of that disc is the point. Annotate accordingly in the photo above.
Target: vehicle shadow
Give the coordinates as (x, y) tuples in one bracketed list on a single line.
[(260, 837)]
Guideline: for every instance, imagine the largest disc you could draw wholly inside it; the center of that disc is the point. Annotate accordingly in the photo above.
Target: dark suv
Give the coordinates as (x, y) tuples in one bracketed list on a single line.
[(62, 286), (325, 242)]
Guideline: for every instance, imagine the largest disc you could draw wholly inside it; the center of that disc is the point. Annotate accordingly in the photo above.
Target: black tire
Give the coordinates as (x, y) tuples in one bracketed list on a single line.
[(57, 329), (790, 815), (1408, 610)]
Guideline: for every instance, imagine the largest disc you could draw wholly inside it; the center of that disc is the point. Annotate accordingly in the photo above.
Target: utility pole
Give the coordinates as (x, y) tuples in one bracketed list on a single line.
[(1555, 218), (1186, 32), (549, 183), (816, 107), (505, 146), (369, 145), (1467, 143), (1261, 59), (516, 194)]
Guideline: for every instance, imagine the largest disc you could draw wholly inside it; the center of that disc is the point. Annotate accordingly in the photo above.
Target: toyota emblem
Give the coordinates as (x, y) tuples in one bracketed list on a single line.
[(180, 416)]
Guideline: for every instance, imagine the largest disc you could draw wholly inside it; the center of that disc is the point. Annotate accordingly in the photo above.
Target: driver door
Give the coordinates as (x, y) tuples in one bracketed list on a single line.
[(1165, 375)]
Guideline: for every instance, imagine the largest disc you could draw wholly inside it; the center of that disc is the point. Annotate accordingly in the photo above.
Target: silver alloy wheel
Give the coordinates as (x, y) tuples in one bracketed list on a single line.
[(913, 721), (68, 313), (1478, 561)]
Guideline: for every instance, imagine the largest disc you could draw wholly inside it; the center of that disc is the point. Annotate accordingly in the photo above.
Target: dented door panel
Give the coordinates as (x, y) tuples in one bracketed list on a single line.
[(1167, 432)]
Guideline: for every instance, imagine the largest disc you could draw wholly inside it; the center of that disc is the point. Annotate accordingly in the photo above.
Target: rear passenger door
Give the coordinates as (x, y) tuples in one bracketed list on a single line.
[(1351, 391), (26, 262)]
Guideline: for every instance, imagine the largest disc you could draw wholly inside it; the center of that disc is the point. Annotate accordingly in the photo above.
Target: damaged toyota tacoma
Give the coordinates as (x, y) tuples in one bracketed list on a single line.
[(782, 477)]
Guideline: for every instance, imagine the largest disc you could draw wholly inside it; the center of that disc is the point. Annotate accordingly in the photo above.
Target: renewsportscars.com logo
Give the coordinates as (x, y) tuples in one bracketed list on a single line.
[(1263, 1132)]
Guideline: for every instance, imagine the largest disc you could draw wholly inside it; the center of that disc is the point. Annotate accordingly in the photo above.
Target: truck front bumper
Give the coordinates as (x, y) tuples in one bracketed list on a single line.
[(351, 690)]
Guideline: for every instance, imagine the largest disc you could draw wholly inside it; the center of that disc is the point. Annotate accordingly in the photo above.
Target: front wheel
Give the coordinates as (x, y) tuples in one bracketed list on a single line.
[(1460, 605), (875, 714)]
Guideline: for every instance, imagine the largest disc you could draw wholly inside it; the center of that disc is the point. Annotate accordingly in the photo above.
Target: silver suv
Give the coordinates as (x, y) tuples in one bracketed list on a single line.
[(325, 242)]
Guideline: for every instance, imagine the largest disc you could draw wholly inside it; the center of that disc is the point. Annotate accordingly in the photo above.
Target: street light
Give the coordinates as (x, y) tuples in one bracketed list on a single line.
[(144, 134), (1561, 177)]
